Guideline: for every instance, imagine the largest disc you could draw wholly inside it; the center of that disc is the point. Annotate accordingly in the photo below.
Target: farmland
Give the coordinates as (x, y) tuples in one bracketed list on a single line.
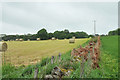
[(30, 52), (108, 64)]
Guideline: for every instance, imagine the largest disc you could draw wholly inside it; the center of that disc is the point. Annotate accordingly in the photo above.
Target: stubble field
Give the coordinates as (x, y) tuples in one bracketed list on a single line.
[(31, 52)]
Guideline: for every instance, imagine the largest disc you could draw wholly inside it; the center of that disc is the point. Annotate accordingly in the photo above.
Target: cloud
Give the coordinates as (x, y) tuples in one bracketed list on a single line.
[(30, 17), (13, 29)]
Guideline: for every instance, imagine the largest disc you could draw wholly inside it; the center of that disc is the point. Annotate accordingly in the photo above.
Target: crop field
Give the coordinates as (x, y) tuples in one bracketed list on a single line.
[(30, 52)]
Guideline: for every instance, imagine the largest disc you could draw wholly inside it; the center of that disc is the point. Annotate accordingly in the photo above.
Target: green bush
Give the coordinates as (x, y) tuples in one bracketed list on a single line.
[(44, 61)]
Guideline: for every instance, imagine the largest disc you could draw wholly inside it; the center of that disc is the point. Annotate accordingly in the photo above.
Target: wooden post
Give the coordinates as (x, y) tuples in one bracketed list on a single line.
[(52, 59), (36, 73), (59, 57), (56, 59), (4, 57)]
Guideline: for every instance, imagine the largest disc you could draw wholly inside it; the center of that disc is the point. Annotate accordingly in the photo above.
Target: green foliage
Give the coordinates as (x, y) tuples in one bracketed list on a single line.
[(24, 37), (7, 69), (50, 35), (43, 35), (110, 45), (115, 32), (76, 73), (10, 71), (84, 44), (44, 61), (91, 36), (28, 70), (49, 67), (109, 51), (59, 34), (66, 56)]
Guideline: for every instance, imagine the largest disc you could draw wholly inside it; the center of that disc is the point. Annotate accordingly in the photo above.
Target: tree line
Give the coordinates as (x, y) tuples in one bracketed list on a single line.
[(44, 35), (114, 32)]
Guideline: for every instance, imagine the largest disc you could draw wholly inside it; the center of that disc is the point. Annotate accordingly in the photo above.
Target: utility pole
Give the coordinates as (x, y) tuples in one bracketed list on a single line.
[(94, 27)]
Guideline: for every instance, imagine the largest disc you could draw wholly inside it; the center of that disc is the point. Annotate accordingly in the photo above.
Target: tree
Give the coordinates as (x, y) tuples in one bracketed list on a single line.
[(42, 34), (118, 31), (114, 32), (66, 31), (57, 34), (80, 34), (50, 35), (91, 36)]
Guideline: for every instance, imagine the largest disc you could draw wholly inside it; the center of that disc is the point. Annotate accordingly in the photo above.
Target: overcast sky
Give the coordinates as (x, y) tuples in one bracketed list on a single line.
[(29, 17)]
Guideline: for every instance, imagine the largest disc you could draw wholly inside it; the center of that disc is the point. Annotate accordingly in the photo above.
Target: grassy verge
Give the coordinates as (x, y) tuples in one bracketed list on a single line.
[(109, 59), (109, 56)]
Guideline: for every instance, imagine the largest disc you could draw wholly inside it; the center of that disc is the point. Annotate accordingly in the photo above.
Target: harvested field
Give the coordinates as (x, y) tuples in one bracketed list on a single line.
[(30, 52)]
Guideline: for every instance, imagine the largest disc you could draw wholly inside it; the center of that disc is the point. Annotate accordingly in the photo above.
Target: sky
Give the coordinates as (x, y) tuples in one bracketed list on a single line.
[(29, 17)]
